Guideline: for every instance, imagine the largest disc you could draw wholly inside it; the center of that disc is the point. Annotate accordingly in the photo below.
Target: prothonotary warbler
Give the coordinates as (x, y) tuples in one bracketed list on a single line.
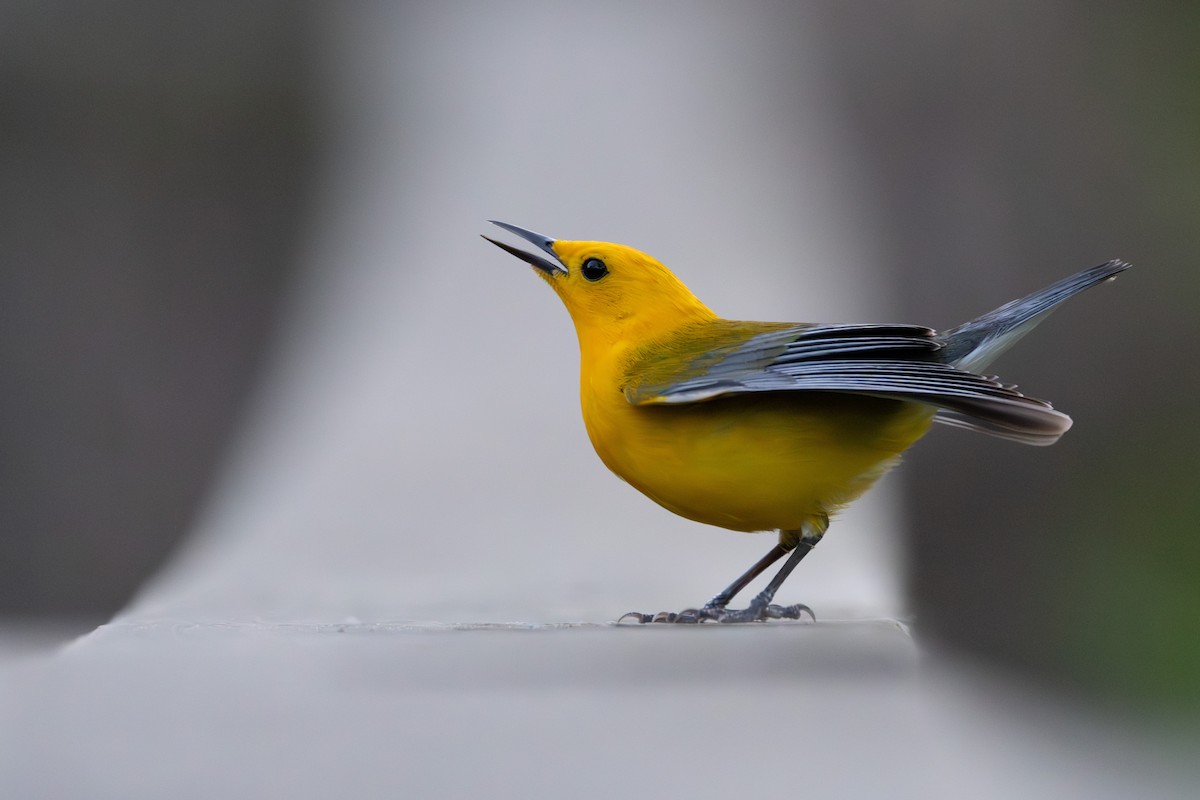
[(756, 426)]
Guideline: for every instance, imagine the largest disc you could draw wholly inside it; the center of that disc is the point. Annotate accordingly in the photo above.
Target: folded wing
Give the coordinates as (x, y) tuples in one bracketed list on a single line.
[(894, 361)]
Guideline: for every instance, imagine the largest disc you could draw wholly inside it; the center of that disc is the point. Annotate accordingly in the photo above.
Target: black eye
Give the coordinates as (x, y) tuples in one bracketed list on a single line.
[(594, 269)]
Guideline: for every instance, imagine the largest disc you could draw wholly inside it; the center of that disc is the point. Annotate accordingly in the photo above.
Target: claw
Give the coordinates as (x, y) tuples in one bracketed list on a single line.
[(795, 612), (636, 616)]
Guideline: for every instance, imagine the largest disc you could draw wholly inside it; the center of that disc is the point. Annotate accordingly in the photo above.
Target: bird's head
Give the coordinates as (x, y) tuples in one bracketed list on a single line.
[(611, 291)]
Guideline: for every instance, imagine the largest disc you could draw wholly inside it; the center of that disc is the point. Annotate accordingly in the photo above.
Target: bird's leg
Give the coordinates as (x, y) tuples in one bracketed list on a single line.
[(796, 542), (760, 607), (715, 607)]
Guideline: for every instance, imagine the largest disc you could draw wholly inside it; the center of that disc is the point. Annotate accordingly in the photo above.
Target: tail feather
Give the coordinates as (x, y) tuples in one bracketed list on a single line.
[(974, 345)]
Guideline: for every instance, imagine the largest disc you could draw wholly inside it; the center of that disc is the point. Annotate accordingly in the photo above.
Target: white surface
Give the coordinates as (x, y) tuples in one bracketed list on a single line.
[(384, 710)]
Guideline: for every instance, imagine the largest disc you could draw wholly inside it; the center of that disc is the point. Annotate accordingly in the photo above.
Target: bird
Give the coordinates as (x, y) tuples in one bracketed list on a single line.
[(771, 426)]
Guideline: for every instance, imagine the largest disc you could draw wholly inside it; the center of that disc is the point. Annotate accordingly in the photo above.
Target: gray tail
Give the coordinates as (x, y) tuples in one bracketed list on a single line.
[(974, 345)]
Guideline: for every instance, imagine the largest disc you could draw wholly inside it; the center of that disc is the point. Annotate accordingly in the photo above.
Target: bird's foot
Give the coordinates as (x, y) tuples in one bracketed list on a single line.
[(755, 612), (760, 612)]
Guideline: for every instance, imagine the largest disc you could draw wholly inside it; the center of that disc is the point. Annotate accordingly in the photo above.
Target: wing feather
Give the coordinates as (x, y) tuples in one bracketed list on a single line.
[(891, 361)]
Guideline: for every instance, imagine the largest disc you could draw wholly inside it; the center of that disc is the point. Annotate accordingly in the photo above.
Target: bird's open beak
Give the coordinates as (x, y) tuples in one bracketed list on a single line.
[(544, 242)]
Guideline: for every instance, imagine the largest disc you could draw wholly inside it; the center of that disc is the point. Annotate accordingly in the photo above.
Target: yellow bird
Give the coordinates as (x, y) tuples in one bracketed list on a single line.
[(756, 426)]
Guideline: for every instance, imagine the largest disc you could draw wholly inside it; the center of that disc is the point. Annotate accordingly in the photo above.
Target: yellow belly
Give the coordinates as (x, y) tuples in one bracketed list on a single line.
[(753, 462)]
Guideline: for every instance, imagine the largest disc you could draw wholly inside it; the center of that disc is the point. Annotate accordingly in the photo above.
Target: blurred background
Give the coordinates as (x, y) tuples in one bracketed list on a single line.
[(248, 333)]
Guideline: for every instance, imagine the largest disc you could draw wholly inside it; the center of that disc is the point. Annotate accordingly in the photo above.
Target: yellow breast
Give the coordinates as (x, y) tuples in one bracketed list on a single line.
[(751, 462)]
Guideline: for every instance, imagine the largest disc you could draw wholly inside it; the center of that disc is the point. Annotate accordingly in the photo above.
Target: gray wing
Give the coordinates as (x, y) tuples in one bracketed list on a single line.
[(893, 361)]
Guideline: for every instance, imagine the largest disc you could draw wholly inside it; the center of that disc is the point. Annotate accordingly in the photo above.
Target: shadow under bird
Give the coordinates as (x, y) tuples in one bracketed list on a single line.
[(756, 426)]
